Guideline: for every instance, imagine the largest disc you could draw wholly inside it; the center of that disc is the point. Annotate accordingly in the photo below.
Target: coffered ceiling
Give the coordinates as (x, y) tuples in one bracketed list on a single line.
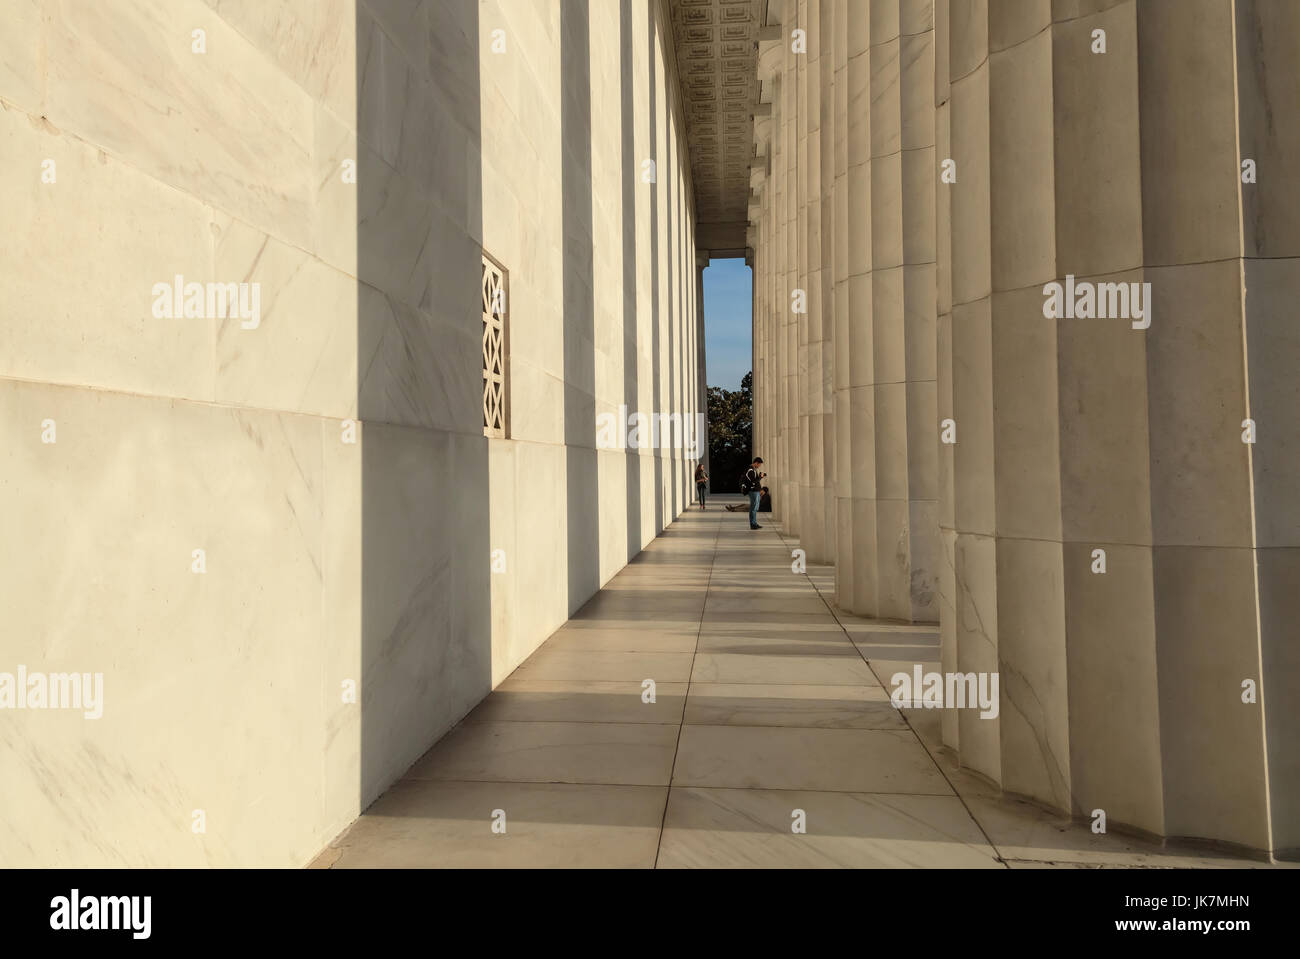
[(717, 48)]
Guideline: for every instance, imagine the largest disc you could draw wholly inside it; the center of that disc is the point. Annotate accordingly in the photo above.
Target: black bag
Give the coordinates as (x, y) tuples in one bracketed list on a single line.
[(745, 486)]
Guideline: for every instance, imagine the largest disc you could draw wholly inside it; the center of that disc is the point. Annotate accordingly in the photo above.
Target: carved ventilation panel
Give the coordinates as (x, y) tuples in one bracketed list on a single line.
[(495, 348)]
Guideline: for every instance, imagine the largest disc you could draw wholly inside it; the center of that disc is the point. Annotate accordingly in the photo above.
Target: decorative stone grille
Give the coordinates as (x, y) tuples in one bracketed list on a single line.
[(495, 349)]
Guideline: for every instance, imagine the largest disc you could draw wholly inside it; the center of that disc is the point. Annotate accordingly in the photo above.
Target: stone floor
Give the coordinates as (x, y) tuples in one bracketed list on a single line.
[(767, 700)]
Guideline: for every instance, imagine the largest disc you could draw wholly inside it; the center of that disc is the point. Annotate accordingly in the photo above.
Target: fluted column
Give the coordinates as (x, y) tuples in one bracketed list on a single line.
[(767, 398), (861, 568), (1202, 515), (1268, 79), (1033, 726), (918, 170), (975, 554), (1094, 531), (799, 186), (946, 593), (761, 191), (812, 530), (790, 467), (903, 310), (888, 375), (1118, 552), (891, 567), (843, 502), (767, 305), (827, 32)]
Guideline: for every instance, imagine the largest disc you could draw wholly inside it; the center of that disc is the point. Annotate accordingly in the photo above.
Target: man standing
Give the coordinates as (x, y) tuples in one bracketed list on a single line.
[(753, 484)]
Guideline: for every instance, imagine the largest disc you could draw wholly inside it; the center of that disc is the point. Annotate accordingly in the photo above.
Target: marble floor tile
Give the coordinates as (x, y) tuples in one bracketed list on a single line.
[(886, 669), (631, 622), (611, 613), (821, 707), (780, 712), (910, 653), (801, 603), (840, 760), (752, 828), (825, 643), (657, 639), (715, 615), (606, 665), (646, 598), (781, 668), (632, 754), (818, 629), (422, 824), (891, 637), (580, 701)]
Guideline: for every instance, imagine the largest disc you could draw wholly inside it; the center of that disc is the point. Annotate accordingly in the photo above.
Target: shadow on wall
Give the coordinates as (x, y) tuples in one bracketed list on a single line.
[(581, 468), (424, 566), (425, 591), (630, 163), (652, 32)]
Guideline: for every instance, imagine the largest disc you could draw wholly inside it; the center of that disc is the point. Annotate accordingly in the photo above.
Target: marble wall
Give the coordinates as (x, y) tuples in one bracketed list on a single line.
[(328, 461)]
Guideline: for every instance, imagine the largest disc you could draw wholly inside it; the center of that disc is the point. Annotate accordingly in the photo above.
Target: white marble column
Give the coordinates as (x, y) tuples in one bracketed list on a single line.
[(700, 402), (1084, 441), (799, 270), (974, 546), (946, 587), (1098, 535), (891, 568), (918, 169), (813, 494), (828, 31), (1268, 84), (1033, 725), (888, 375), (788, 471), (843, 458), (860, 569)]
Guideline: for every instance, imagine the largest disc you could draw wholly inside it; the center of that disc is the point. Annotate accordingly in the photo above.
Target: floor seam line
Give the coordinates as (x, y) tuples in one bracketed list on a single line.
[(665, 786), (717, 532), (600, 722)]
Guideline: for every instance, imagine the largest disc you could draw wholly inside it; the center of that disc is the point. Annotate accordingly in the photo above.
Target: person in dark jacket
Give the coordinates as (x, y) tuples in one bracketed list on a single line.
[(753, 485), (701, 483)]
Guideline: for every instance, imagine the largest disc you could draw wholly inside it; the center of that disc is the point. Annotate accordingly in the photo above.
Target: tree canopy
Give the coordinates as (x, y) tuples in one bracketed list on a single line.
[(731, 420)]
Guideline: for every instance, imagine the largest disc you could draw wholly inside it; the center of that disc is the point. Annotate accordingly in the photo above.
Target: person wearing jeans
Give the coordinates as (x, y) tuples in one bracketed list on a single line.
[(754, 487), (701, 483)]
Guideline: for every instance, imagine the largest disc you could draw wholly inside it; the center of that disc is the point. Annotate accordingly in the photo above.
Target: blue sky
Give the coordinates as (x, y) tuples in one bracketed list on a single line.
[(728, 330)]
